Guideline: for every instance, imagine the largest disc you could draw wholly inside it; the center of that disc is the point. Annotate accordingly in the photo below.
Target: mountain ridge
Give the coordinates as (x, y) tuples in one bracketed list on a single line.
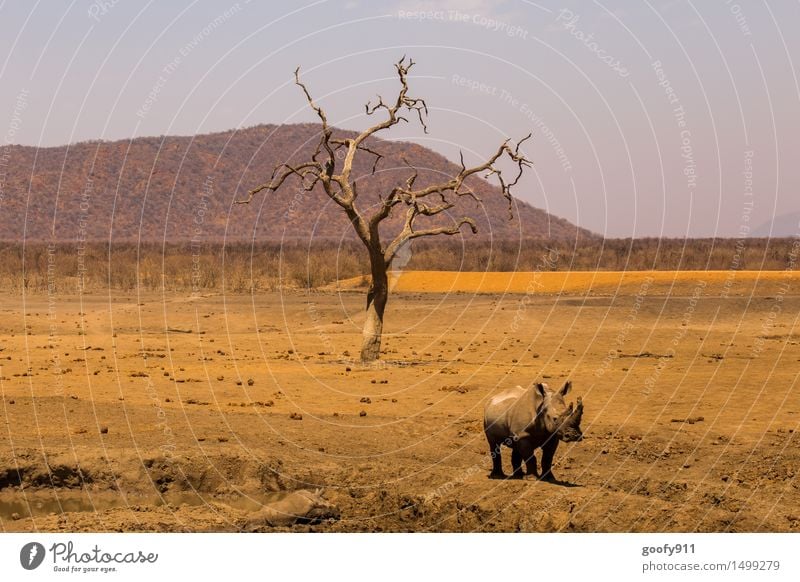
[(184, 189)]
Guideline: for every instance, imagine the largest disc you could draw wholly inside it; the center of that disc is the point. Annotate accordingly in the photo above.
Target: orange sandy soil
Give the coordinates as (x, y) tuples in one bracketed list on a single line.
[(117, 419)]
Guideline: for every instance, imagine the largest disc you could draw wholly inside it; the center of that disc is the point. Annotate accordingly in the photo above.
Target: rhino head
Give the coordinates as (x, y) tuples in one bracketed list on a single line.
[(558, 418)]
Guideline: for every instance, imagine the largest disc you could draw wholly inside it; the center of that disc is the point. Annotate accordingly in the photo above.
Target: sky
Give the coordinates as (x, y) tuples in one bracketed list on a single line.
[(649, 118)]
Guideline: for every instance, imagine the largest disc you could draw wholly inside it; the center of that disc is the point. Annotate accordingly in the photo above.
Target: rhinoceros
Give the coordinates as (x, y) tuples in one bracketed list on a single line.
[(301, 506), (525, 419)]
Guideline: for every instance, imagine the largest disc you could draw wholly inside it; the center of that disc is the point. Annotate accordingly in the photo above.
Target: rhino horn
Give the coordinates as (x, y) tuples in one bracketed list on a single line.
[(576, 417)]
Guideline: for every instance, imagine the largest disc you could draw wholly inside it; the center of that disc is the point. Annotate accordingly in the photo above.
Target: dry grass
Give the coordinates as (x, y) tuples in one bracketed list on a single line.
[(244, 268), (632, 283)]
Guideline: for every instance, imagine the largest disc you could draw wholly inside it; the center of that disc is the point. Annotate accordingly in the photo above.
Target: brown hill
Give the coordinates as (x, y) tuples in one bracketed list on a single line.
[(183, 189)]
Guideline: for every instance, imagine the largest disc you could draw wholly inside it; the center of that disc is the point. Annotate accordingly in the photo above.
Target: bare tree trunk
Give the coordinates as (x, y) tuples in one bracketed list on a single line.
[(376, 304)]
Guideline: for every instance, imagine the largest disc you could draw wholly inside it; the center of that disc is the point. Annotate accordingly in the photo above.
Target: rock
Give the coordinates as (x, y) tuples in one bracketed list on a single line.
[(295, 416), (15, 516), (366, 400), (250, 381), (103, 430), (362, 413)]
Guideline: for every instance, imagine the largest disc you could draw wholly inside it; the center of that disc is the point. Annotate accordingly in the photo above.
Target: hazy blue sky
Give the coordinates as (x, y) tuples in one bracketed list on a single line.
[(650, 118)]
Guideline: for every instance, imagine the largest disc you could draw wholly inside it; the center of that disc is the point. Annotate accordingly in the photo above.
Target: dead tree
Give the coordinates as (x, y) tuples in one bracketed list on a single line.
[(335, 176)]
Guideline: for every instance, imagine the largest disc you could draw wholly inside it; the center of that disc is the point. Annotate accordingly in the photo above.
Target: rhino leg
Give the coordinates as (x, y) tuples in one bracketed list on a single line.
[(516, 462), (497, 461), (548, 452), (526, 450)]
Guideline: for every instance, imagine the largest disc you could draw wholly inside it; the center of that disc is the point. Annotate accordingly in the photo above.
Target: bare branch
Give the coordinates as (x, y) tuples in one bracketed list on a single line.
[(403, 102), (454, 184), (378, 156), (408, 234), (456, 229), (283, 171), (325, 136)]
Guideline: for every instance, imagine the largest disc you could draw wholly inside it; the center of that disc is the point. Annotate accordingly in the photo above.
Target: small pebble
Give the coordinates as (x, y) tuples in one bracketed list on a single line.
[(362, 413)]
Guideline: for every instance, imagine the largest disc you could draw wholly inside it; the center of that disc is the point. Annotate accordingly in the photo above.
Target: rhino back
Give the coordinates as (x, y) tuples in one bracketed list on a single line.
[(522, 415), (506, 412)]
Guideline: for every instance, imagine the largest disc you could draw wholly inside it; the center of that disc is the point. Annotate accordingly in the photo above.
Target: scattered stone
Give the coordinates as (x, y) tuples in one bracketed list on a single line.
[(295, 416), (394, 399), (348, 369), (15, 516), (103, 430), (220, 378), (362, 413), (250, 381), (690, 420), (725, 478), (366, 400), (222, 439), (11, 401)]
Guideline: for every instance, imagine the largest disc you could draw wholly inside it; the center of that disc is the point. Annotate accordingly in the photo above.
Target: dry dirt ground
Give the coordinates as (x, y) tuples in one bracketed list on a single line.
[(126, 412)]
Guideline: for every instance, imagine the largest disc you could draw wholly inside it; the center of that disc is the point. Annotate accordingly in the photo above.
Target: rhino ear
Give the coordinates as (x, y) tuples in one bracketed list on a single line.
[(567, 387), (541, 389)]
